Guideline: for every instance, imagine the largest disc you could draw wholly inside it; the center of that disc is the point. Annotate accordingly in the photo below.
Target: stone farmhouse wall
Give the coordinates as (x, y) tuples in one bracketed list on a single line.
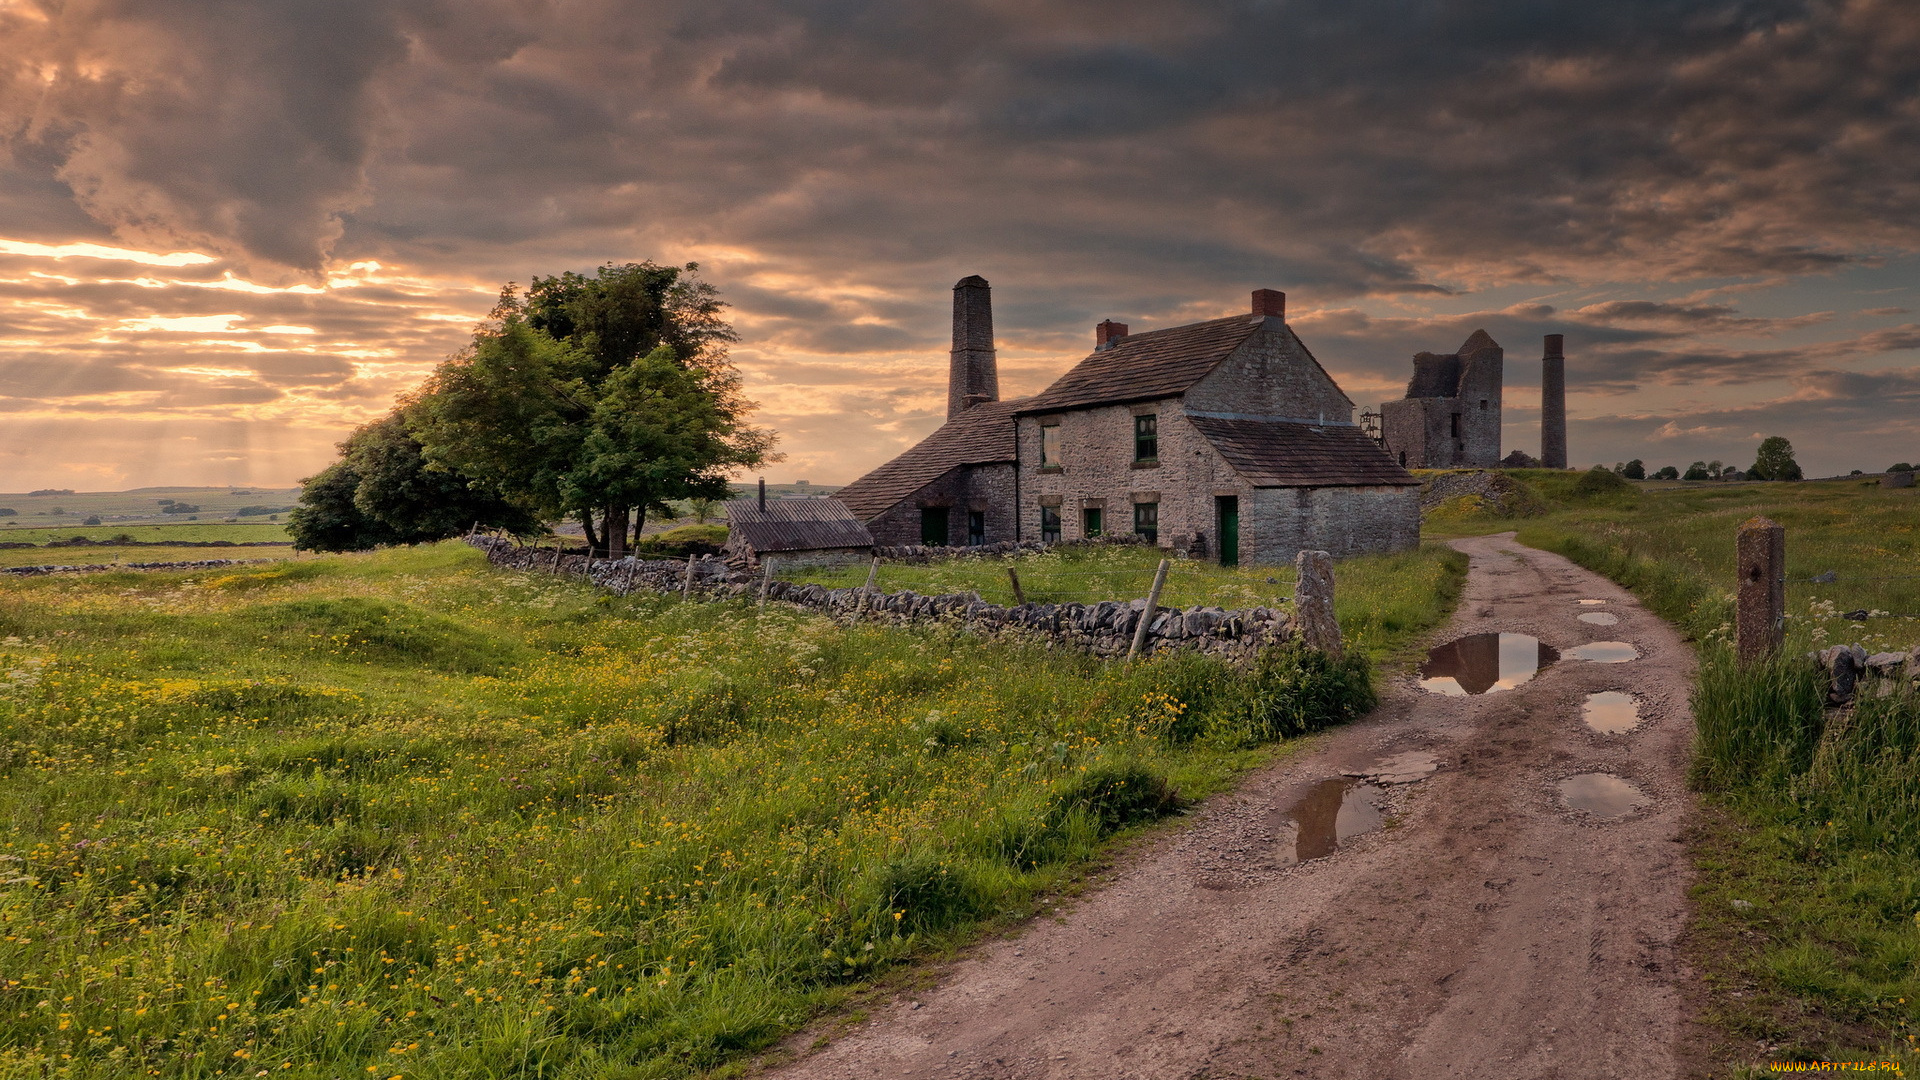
[(1272, 374), (1341, 521), (1097, 471), (985, 488), (1104, 629)]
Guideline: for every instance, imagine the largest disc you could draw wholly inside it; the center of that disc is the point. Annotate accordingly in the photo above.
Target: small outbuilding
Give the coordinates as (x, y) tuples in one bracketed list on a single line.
[(798, 532)]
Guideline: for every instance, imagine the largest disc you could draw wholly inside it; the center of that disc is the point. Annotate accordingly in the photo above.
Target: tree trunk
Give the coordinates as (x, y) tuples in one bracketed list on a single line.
[(593, 542), (616, 532)]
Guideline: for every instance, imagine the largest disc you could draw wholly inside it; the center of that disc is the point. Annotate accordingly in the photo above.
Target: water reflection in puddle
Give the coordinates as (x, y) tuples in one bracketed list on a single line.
[(1612, 712), (1332, 811), (1590, 603), (1603, 795), (1482, 663), (1604, 652), (1599, 618)]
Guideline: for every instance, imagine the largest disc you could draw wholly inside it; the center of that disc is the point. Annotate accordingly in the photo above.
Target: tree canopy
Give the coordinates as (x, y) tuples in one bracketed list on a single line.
[(1774, 461), (601, 397)]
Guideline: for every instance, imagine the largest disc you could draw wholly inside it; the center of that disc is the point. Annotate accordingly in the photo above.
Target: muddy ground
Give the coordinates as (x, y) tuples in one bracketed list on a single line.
[(1485, 928)]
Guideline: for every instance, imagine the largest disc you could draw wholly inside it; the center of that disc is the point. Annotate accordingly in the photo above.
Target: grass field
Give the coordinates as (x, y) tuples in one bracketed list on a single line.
[(142, 504), (186, 531), (400, 815), (78, 556), (1808, 924)]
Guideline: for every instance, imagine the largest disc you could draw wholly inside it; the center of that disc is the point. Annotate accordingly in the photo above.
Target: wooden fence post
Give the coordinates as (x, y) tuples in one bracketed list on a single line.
[(686, 586), (866, 591), (633, 567), (1146, 617), (1019, 597), (1760, 618), (1313, 602), (766, 579)]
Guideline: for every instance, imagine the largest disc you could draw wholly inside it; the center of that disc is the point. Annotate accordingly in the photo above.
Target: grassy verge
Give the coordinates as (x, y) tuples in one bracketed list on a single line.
[(1807, 931), (1382, 601), (399, 815)]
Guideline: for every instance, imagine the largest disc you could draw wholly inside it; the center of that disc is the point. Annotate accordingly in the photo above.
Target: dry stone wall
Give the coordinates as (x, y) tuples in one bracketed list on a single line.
[(1104, 629)]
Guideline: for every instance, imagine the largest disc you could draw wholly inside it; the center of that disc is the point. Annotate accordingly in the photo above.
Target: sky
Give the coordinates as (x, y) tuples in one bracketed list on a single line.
[(231, 231)]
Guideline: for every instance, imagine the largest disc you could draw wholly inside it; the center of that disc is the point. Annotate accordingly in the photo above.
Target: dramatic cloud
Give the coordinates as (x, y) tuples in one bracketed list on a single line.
[(1713, 199)]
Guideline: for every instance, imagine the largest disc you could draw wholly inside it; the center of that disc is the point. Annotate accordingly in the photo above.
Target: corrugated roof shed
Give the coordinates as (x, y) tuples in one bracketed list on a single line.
[(1158, 363), (981, 435), (1270, 453), (796, 525)]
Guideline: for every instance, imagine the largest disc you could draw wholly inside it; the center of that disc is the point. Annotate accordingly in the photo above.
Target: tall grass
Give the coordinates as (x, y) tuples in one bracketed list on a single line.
[(398, 815)]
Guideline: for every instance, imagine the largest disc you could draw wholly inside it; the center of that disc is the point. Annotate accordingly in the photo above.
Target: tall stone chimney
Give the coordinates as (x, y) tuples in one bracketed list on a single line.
[(974, 376), (1553, 405)]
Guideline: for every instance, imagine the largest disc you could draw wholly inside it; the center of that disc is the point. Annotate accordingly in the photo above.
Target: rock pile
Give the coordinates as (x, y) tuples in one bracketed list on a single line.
[(1849, 665)]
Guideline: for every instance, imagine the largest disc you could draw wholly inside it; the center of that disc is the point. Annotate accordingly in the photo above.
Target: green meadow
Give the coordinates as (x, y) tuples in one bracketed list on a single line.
[(401, 815)]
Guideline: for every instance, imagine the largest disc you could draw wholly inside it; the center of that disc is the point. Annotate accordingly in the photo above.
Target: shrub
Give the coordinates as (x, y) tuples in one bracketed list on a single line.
[(1113, 797), (1600, 482), (92, 520)]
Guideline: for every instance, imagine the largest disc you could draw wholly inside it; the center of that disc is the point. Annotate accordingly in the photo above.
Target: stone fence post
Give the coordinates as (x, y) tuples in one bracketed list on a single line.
[(1760, 619), (1313, 602)]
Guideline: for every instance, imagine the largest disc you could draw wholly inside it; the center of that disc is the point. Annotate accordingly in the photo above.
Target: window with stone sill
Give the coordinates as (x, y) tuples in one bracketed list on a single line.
[(1146, 521), (1049, 524), (1146, 438), (1050, 446)]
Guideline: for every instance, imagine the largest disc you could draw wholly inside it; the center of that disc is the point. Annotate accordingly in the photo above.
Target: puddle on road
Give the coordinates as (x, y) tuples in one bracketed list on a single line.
[(1332, 811), (1604, 652), (1599, 618), (1402, 768), (1603, 795), (1591, 603), (1612, 712), (1483, 663)]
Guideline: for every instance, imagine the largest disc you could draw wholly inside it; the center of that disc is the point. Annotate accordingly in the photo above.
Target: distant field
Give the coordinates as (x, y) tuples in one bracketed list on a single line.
[(87, 556), (181, 532), (144, 504)]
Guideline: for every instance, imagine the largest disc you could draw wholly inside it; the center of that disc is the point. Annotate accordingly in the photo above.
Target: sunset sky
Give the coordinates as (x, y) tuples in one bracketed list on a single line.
[(232, 230)]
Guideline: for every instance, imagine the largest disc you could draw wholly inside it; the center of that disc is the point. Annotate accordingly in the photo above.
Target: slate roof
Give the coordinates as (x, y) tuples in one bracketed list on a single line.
[(981, 435), (1271, 453), (1140, 367), (795, 525)]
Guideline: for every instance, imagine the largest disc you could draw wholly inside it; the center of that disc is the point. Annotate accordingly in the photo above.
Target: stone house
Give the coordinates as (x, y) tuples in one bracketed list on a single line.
[(1450, 417), (1223, 439)]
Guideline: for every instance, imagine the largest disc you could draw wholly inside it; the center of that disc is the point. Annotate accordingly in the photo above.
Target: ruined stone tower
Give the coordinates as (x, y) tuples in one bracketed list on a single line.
[(974, 376), (1450, 417), (1553, 405)]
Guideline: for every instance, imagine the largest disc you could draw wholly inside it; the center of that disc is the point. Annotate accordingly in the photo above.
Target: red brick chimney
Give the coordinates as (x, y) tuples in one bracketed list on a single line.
[(1269, 303), (1107, 333)]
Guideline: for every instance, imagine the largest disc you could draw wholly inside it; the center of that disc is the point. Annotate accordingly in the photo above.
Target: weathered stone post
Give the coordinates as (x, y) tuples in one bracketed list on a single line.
[(766, 580), (1760, 619), (686, 585), (1313, 602)]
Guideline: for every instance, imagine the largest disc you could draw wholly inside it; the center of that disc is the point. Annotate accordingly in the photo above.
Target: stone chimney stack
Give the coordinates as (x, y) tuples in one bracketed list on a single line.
[(974, 376), (1553, 404), (1107, 334), (763, 494), (1269, 303)]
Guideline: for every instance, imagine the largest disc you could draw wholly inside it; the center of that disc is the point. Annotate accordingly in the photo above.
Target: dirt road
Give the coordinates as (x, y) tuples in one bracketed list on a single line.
[(1485, 929)]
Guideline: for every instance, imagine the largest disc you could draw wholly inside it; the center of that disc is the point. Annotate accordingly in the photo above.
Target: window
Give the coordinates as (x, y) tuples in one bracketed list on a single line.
[(976, 528), (1146, 521), (1146, 438), (1050, 446), (1483, 404), (1049, 524), (933, 526), (1455, 417), (1090, 524)]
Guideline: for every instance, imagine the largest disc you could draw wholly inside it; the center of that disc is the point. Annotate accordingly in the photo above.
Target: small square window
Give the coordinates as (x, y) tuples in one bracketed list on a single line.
[(976, 528), (1146, 438), (1050, 446), (1049, 524), (1146, 521)]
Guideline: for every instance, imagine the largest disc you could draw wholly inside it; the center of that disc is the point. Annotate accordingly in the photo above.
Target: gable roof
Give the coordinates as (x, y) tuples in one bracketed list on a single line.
[(981, 435), (795, 525), (1274, 453), (1139, 367)]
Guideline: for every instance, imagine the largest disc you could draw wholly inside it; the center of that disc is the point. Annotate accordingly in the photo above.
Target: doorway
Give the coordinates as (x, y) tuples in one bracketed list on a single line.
[(933, 526), (1227, 512), (1090, 524)]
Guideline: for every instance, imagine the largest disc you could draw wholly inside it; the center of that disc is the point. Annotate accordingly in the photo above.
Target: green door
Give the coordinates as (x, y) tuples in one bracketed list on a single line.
[(933, 526), (1228, 508), (1090, 522)]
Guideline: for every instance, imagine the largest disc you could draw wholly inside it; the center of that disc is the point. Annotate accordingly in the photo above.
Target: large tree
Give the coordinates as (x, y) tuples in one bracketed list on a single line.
[(599, 397), (382, 491), (1774, 461)]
